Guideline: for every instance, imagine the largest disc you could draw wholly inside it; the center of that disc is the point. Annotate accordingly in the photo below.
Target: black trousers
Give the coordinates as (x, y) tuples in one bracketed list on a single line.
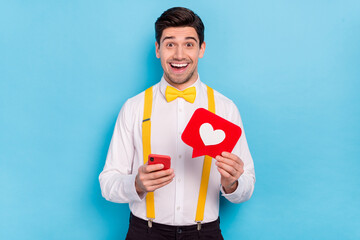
[(139, 230)]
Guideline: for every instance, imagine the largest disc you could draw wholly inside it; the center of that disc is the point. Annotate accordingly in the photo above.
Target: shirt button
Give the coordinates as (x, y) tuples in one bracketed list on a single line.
[(178, 208), (179, 180), (180, 110), (179, 156)]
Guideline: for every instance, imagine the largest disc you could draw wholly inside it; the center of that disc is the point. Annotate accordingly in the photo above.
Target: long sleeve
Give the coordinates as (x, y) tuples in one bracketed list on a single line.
[(246, 182), (175, 203), (117, 180)]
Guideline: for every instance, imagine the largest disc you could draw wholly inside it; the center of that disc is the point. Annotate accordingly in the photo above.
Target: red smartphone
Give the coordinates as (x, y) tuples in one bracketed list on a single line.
[(162, 159)]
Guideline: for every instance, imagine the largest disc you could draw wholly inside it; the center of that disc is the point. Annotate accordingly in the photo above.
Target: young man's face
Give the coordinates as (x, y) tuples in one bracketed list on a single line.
[(179, 52)]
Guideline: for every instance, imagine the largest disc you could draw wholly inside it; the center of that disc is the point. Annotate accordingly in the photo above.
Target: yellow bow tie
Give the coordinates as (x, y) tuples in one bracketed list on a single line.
[(188, 94)]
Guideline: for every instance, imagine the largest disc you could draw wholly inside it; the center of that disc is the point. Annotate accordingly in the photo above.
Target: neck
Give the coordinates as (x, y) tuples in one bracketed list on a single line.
[(182, 86)]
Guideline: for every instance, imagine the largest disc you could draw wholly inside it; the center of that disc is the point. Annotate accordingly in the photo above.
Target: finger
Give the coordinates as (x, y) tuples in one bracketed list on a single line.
[(154, 187), (159, 183), (160, 174), (227, 161), (231, 163), (229, 155), (223, 173), (153, 167), (232, 157), (229, 169)]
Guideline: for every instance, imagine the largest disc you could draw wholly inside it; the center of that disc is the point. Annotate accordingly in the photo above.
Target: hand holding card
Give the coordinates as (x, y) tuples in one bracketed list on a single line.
[(209, 134)]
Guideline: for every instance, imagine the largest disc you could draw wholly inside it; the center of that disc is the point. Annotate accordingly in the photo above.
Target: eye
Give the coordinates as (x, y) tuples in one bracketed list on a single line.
[(170, 45), (189, 44)]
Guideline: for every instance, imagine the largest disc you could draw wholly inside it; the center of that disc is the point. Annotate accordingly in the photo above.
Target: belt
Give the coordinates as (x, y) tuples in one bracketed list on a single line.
[(186, 228)]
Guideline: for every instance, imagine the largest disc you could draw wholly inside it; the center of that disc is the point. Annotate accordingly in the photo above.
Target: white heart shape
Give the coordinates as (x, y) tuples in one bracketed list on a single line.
[(209, 136)]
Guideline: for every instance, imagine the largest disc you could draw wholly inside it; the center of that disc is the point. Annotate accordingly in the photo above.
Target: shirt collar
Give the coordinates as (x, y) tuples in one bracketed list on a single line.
[(164, 84)]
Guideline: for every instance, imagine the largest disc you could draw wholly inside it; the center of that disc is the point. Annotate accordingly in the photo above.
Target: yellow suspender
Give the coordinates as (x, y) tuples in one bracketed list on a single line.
[(146, 140), (206, 167)]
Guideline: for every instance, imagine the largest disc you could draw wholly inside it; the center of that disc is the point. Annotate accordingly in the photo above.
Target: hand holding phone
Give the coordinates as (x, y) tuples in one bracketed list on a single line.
[(150, 178), (160, 159)]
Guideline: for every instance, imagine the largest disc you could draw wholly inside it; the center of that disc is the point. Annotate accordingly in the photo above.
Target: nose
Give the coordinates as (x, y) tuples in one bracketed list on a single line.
[(179, 53)]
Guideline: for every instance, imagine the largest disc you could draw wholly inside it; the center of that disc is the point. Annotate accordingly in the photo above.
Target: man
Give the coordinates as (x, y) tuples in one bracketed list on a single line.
[(175, 211)]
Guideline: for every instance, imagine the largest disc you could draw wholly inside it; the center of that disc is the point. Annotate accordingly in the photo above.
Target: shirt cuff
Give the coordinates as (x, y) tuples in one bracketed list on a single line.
[(234, 196), (130, 190)]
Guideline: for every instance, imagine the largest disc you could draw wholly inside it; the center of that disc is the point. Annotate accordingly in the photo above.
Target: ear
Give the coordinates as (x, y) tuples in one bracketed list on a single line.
[(202, 50), (157, 50)]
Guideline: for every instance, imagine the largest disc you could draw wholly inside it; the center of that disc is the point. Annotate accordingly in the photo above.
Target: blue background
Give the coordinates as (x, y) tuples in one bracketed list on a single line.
[(292, 68)]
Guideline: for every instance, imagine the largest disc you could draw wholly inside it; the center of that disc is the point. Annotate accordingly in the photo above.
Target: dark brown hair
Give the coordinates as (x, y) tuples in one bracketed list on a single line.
[(179, 17)]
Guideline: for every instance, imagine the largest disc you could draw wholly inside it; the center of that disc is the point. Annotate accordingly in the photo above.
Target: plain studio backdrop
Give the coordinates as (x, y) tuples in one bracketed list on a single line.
[(291, 67)]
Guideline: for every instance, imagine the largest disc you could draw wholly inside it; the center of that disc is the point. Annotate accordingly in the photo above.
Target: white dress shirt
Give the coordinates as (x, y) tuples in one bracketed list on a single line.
[(175, 203)]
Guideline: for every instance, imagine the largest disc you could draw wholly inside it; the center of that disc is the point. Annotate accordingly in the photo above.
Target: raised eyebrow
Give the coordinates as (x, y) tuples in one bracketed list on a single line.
[(165, 38), (191, 38), (171, 37)]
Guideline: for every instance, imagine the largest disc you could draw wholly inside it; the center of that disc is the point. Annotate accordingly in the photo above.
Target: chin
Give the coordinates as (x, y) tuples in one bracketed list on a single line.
[(179, 80)]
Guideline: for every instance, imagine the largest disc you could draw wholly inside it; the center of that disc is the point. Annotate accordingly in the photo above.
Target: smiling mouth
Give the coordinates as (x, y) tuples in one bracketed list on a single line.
[(178, 67)]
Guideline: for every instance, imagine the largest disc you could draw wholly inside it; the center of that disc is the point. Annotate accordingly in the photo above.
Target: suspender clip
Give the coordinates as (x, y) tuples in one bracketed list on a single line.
[(198, 226), (150, 220)]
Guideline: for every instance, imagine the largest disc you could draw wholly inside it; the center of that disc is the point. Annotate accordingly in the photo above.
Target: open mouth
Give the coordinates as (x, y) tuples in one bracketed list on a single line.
[(178, 67)]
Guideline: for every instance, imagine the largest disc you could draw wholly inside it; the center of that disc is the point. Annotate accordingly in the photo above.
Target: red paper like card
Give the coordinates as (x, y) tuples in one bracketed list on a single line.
[(209, 134)]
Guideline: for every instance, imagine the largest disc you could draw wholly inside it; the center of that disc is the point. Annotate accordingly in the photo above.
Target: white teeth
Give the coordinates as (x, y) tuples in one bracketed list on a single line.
[(179, 64)]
